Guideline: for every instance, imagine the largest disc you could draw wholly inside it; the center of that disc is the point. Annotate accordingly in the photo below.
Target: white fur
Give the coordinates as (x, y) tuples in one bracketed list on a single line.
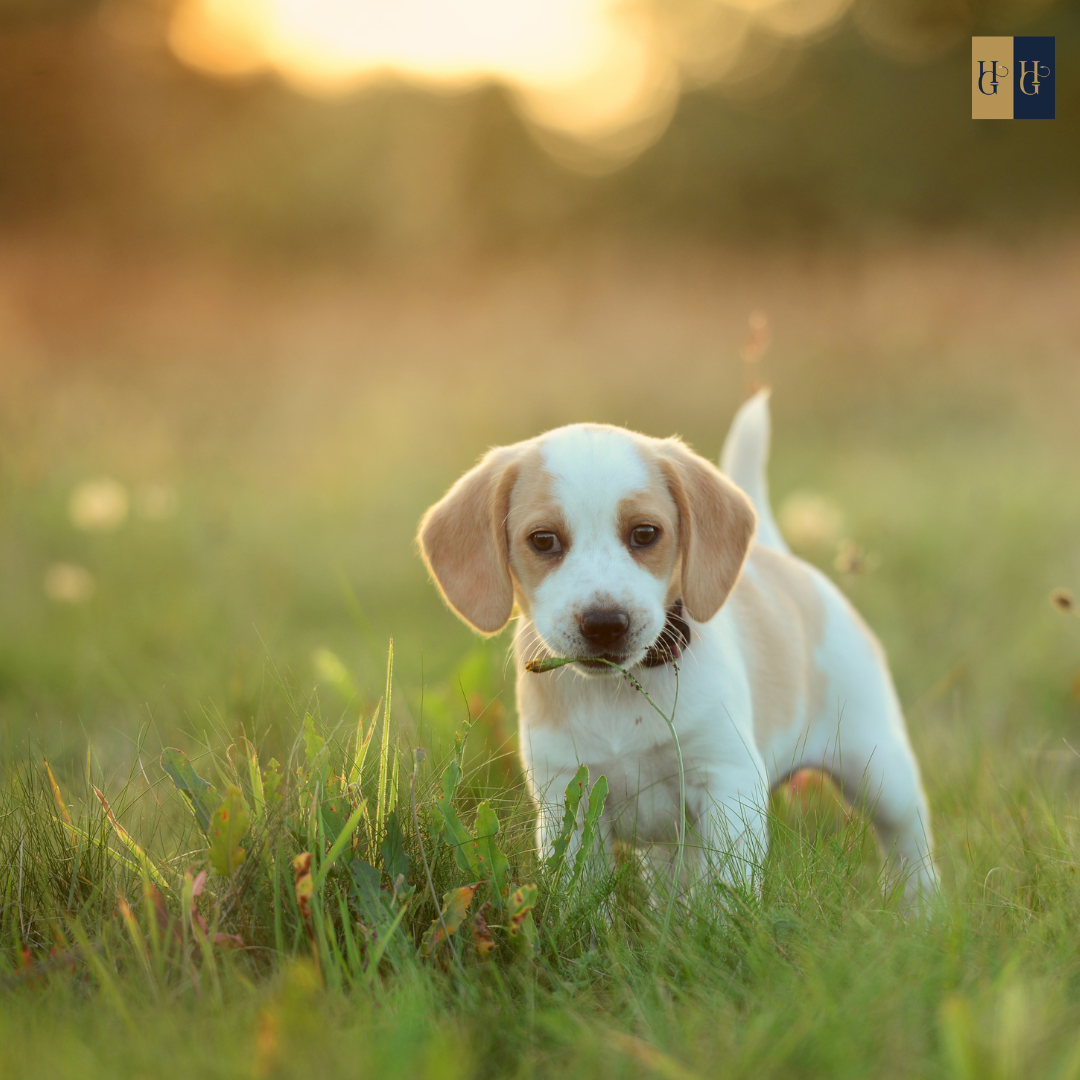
[(857, 734), (593, 469)]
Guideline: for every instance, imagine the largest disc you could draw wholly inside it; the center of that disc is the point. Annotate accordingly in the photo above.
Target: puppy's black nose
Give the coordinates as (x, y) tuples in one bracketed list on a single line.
[(602, 627)]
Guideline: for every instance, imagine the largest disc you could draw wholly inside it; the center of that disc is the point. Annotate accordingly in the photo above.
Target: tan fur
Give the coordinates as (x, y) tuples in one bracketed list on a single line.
[(533, 508), (781, 618), (655, 506), (464, 544), (716, 526)]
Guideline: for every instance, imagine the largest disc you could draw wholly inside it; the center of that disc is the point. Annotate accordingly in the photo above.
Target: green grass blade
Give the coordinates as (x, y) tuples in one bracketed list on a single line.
[(339, 845), (384, 750)]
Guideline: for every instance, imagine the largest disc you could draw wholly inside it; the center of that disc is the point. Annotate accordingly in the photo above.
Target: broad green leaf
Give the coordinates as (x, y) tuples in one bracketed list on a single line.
[(272, 783), (454, 833), (335, 817), (201, 794), (455, 907), (574, 791), (395, 861), (590, 831), (490, 861), (451, 777), (366, 882), (228, 827)]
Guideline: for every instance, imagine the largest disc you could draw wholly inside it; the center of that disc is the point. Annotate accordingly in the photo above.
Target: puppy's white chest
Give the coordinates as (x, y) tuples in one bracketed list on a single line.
[(610, 727), (629, 745)]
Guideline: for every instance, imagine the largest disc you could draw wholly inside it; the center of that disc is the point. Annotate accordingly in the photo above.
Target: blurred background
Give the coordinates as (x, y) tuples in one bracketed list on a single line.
[(274, 272)]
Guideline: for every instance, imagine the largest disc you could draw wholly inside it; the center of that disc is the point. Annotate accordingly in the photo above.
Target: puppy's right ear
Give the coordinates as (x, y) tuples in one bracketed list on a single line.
[(464, 544)]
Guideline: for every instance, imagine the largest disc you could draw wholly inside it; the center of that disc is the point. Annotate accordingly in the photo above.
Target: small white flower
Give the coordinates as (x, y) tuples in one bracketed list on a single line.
[(99, 505)]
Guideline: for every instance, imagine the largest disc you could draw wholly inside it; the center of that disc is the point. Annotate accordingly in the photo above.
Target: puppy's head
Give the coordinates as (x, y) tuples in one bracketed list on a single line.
[(594, 531)]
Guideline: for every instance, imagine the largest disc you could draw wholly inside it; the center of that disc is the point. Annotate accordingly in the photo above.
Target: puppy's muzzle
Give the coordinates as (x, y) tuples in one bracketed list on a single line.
[(604, 629)]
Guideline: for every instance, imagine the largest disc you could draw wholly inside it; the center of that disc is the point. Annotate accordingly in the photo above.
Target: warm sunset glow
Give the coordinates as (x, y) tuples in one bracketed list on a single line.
[(601, 71), (578, 66)]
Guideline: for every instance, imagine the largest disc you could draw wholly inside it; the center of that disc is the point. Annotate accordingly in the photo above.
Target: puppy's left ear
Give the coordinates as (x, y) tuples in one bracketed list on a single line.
[(716, 525), (464, 544)]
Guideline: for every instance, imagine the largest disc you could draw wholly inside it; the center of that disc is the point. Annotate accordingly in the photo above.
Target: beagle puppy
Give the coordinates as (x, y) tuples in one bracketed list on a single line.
[(614, 546)]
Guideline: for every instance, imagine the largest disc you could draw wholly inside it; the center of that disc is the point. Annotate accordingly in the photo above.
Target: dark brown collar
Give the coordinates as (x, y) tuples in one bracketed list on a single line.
[(673, 639)]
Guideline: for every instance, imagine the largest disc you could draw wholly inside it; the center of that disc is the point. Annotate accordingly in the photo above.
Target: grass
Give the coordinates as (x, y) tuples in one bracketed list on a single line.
[(816, 972), (257, 616)]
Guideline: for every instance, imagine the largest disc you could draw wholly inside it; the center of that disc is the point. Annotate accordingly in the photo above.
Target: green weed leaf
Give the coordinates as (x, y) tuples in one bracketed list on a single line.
[(590, 831), (228, 827), (490, 861), (395, 861), (519, 908), (454, 833), (366, 882), (574, 792), (272, 784), (201, 794)]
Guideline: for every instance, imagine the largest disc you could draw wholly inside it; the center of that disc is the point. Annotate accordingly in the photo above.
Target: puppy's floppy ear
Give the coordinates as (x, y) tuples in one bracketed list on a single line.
[(716, 525), (464, 544)]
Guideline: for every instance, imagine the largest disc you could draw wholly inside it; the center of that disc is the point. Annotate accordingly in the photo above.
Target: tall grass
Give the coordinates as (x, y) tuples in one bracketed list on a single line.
[(324, 944)]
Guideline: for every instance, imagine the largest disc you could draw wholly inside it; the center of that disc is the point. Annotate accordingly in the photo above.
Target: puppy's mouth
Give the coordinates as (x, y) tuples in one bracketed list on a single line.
[(603, 661), (667, 647)]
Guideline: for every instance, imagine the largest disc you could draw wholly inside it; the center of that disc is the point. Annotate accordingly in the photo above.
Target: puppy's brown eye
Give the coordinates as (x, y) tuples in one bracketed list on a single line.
[(644, 536), (546, 543)]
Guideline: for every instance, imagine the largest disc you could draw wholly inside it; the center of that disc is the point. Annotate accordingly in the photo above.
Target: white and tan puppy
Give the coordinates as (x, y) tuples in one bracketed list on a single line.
[(635, 550)]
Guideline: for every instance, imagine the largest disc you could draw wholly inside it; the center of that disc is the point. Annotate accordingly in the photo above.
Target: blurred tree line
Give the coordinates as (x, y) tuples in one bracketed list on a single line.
[(104, 134)]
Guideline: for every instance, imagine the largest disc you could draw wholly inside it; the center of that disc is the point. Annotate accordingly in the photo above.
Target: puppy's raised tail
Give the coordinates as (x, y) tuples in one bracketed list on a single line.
[(745, 459)]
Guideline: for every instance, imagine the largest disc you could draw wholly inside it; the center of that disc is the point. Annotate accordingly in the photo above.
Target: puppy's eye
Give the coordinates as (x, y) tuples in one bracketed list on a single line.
[(546, 543), (644, 536)]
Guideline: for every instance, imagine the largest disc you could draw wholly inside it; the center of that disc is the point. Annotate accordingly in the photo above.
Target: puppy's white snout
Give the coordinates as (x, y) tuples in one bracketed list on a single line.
[(604, 627)]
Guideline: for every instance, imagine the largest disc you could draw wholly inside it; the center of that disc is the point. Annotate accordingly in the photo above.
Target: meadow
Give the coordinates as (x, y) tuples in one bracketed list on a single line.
[(210, 479)]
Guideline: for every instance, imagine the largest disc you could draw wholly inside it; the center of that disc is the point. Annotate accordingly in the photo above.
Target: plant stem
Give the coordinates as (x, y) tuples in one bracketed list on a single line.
[(549, 664)]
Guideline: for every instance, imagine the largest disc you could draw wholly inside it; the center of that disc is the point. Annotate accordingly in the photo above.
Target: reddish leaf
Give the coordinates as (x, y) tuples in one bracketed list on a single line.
[(455, 906), (305, 886), (481, 933)]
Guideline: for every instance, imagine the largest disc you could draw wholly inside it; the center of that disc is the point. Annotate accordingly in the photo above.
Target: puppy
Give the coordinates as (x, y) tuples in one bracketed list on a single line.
[(619, 547)]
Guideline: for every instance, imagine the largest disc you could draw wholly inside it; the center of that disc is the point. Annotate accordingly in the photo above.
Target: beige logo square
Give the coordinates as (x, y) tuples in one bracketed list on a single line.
[(991, 78)]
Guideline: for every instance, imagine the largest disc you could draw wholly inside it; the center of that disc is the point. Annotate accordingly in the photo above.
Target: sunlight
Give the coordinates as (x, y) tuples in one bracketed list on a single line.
[(578, 65), (606, 73)]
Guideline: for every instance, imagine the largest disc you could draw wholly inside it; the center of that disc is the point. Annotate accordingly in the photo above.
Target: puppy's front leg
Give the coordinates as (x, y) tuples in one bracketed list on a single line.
[(727, 834)]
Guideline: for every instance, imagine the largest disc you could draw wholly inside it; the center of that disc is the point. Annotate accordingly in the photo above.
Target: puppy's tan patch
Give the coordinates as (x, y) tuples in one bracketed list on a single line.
[(464, 544), (781, 617), (655, 506), (716, 526), (533, 508)]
